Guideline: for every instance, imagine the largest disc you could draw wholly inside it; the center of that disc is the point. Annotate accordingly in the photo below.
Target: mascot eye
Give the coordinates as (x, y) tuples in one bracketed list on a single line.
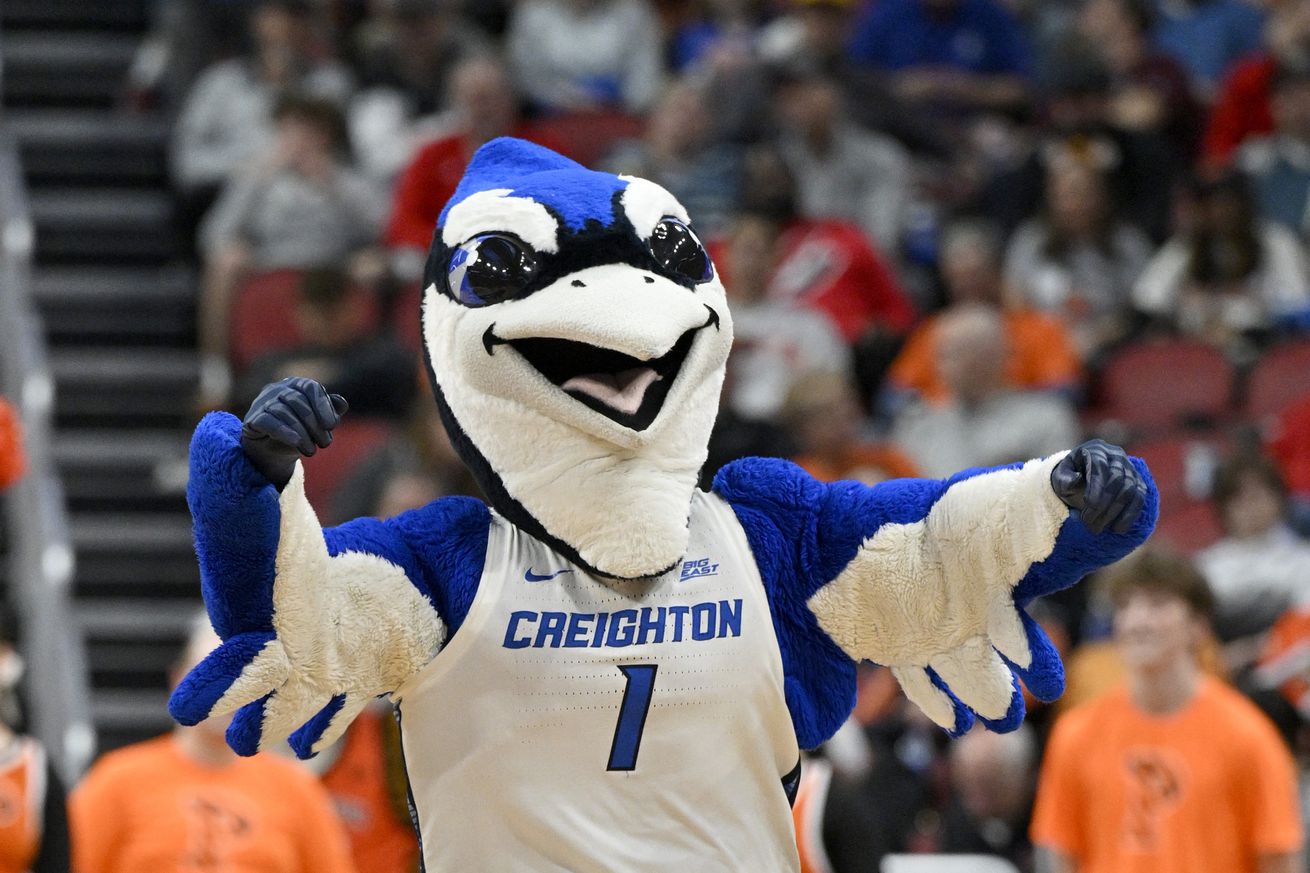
[(677, 250), (490, 268)]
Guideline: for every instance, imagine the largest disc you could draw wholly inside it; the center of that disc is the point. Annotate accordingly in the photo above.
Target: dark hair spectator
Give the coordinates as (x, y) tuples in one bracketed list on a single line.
[(1261, 567), (1150, 91), (341, 348), (1077, 259), (679, 151), (1225, 276), (1080, 124), (842, 171)]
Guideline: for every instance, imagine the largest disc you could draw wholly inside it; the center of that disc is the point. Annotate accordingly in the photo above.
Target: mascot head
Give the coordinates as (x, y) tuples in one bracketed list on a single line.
[(576, 334)]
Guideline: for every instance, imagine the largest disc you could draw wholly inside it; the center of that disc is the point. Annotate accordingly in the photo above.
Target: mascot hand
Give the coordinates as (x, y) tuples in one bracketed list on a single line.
[(288, 419), (1099, 481)]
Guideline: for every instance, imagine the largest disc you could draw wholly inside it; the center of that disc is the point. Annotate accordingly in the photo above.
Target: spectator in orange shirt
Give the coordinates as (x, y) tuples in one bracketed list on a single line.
[(186, 802), (367, 781), (12, 462), (33, 811), (1173, 772), (1041, 352)]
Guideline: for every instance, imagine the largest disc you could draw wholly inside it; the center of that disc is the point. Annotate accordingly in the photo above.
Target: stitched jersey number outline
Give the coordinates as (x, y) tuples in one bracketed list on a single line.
[(632, 715)]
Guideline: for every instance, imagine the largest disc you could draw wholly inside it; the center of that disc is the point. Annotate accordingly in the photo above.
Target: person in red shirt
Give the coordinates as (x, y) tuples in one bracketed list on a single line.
[(483, 96), (1243, 109), (827, 265)]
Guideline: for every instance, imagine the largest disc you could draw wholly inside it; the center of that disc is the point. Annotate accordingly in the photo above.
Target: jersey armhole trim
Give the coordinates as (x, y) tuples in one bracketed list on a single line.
[(489, 588)]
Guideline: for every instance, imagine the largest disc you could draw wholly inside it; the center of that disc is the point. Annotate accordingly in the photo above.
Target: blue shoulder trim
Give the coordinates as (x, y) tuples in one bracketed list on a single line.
[(776, 503), (450, 537), (441, 547)]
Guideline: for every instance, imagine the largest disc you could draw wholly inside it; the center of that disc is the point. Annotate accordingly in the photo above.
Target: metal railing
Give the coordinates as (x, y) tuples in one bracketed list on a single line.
[(41, 555)]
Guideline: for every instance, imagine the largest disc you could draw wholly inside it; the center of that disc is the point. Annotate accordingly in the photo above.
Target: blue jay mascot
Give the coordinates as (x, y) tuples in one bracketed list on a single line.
[(607, 668)]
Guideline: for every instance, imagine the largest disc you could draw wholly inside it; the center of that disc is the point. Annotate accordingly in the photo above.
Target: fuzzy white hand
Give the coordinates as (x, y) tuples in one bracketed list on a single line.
[(346, 628), (935, 599)]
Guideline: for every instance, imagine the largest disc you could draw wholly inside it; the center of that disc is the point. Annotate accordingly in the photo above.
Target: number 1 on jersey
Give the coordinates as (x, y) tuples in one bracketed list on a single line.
[(632, 715)]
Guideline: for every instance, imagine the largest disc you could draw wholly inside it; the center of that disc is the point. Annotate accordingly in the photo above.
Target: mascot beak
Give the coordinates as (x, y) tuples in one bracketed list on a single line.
[(614, 338)]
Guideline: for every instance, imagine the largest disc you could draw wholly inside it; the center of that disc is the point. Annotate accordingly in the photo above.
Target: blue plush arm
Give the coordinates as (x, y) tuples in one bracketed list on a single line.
[(315, 623), (927, 577)]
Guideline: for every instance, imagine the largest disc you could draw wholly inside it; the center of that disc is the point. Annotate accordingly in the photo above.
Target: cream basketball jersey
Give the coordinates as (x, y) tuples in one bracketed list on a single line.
[(580, 724)]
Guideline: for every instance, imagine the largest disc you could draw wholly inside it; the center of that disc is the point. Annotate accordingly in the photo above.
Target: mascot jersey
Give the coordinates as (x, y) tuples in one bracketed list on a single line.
[(605, 668)]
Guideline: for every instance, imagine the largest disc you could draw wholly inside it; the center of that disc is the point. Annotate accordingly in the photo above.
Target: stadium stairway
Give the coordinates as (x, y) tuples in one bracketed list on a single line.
[(118, 306)]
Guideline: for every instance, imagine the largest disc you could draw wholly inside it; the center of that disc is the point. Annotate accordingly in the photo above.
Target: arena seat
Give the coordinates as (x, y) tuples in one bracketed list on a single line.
[(1280, 378), (1183, 463), (1158, 385), (262, 318), (1189, 528), (404, 317), (354, 440)]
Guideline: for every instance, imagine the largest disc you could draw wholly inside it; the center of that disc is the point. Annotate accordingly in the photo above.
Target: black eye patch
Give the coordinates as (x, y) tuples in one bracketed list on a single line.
[(495, 267), (490, 268)]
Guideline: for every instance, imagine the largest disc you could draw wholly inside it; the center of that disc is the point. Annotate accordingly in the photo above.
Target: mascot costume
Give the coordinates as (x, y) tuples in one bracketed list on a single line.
[(607, 668)]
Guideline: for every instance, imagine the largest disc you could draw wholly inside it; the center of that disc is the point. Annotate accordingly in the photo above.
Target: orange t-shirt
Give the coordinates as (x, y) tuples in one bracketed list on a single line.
[(1042, 355), (150, 807), (1211, 787), (367, 784), (12, 463), (869, 463), (22, 799)]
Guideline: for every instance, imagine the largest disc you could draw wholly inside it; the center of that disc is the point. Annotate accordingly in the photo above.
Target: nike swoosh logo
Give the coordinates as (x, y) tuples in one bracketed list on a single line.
[(530, 576)]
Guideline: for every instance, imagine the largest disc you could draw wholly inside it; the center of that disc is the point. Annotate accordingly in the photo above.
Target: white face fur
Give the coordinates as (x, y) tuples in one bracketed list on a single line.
[(618, 496)]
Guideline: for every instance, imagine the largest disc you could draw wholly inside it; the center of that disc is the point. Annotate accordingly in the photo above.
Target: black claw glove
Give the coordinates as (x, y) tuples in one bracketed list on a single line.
[(1099, 481), (288, 419)]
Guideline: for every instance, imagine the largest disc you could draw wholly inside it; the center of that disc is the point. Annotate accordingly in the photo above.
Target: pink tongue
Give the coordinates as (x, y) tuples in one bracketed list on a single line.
[(622, 391)]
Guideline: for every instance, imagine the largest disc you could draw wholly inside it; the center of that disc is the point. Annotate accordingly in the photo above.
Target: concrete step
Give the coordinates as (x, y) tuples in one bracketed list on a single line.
[(106, 15), (104, 306), (65, 67), (103, 225), (120, 387), (141, 620), (91, 146), (123, 471), (134, 555)]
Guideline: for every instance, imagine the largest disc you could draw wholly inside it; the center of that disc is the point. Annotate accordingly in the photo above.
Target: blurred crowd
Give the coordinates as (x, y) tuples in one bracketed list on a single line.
[(954, 233)]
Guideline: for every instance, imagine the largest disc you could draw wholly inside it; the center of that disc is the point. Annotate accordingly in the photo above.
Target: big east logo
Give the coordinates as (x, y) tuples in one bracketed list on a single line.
[(697, 568)]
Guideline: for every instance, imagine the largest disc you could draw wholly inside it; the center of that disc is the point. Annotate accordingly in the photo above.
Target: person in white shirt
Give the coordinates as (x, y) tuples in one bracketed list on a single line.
[(586, 54), (1261, 567)]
